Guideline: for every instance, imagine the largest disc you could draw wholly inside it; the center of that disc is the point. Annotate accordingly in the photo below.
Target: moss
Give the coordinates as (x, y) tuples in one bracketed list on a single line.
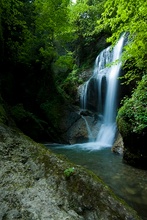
[(123, 126)]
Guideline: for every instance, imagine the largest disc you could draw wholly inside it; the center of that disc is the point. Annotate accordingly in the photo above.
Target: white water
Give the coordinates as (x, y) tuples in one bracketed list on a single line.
[(84, 95), (112, 84), (107, 101)]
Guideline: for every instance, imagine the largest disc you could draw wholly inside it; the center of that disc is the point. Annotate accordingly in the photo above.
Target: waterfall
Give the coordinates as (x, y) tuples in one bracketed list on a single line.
[(100, 92)]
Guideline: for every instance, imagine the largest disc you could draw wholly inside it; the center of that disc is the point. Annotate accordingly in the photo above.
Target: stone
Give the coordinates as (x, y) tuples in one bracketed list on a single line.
[(118, 146), (51, 195)]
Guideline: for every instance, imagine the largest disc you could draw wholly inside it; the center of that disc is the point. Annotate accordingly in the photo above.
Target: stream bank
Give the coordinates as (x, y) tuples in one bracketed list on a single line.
[(33, 185)]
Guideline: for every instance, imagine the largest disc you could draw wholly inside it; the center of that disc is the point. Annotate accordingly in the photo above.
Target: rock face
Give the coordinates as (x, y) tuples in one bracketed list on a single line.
[(75, 125), (33, 185), (118, 146), (83, 76), (72, 126)]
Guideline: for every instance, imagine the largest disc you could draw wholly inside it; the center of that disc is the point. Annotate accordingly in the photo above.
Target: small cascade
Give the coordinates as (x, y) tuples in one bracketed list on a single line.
[(90, 136), (100, 92), (84, 95)]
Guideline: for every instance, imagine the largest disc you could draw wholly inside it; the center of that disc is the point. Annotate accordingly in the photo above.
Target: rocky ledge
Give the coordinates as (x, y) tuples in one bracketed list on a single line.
[(36, 184)]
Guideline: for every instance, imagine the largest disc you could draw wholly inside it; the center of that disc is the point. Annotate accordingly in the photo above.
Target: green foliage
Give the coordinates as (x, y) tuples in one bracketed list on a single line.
[(31, 29), (130, 17), (13, 27), (133, 74), (68, 87), (69, 171), (132, 116), (83, 17), (64, 63), (51, 20)]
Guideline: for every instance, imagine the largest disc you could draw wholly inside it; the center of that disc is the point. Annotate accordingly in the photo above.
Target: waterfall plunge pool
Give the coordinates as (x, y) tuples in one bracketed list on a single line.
[(127, 182)]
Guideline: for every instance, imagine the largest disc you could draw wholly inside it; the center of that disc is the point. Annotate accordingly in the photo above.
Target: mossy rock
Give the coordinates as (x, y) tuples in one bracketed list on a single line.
[(132, 124), (36, 179)]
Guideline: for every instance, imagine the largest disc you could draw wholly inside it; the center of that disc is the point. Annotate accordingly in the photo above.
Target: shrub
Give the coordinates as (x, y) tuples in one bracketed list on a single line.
[(68, 172), (132, 116)]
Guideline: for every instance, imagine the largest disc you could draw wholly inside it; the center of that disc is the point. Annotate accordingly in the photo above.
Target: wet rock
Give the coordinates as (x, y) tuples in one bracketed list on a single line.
[(118, 146), (86, 113), (69, 117)]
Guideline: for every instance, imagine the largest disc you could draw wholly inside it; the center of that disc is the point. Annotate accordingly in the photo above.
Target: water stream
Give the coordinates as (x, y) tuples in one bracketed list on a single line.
[(127, 182)]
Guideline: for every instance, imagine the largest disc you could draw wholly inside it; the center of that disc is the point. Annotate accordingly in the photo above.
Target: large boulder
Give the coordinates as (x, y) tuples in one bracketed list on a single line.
[(37, 184)]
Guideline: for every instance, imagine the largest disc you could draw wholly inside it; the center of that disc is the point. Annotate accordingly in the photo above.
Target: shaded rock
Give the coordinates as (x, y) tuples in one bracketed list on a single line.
[(70, 115), (77, 133), (135, 151), (85, 75), (86, 113), (83, 128), (72, 126)]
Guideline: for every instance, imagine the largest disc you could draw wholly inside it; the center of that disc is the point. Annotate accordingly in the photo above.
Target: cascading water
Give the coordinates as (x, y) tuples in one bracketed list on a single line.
[(105, 79)]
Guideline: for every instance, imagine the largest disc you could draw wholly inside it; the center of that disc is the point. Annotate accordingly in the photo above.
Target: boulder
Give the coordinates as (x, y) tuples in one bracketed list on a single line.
[(34, 185)]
